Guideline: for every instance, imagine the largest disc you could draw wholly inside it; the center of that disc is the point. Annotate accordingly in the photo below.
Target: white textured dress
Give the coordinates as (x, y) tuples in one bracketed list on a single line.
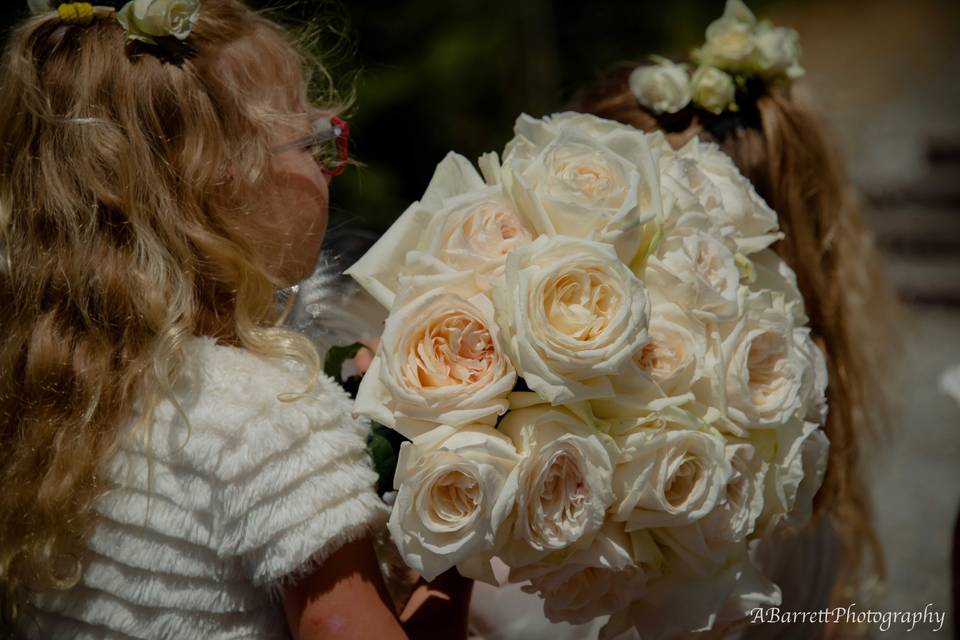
[(215, 504)]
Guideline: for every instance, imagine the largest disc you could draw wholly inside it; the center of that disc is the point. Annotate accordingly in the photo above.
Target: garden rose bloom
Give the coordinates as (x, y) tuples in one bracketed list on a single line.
[(563, 482), (662, 88), (453, 494), (439, 360), (571, 314), (676, 348), (597, 183), (730, 41)]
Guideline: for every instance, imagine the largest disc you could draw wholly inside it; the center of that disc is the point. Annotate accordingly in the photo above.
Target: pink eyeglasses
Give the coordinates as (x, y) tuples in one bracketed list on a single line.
[(329, 144)]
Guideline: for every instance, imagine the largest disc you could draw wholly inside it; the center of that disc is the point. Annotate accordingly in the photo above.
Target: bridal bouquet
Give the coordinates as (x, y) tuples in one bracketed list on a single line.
[(605, 375)]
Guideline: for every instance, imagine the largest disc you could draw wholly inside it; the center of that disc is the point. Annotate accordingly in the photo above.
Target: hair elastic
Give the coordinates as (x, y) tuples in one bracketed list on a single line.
[(76, 13)]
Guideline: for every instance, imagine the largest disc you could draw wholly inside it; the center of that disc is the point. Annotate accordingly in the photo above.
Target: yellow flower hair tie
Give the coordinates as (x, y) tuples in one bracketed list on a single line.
[(76, 13)]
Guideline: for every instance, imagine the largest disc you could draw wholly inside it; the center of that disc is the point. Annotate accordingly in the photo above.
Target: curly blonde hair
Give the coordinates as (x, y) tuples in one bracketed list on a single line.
[(780, 145), (126, 177)]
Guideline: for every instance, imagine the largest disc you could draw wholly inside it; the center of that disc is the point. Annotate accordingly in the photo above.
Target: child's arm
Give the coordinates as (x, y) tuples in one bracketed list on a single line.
[(343, 599)]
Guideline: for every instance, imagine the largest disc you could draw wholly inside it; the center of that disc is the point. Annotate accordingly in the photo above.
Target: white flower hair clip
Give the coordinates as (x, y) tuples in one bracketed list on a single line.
[(146, 21), (739, 50)]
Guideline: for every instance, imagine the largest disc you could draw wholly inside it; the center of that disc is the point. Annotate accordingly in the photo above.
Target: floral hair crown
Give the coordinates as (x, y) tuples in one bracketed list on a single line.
[(148, 21), (740, 52)]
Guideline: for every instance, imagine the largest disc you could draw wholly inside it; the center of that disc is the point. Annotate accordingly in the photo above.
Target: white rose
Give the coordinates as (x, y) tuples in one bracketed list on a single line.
[(563, 481), (576, 178), (454, 493), (662, 88), (713, 89), (675, 349), (814, 385), (798, 458), (777, 51), (588, 583), (772, 274), (571, 315), (439, 361), (730, 40), (697, 268), (669, 475), (146, 20), (759, 366), (736, 516), (749, 220), (460, 224)]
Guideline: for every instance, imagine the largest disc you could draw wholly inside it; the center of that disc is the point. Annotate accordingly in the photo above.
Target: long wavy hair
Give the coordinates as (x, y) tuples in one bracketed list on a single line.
[(127, 177), (780, 145)]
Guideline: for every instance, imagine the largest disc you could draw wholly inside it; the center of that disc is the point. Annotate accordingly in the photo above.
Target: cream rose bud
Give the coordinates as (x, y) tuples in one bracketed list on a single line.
[(454, 491), (583, 180), (675, 350), (742, 502), (571, 315), (439, 360), (777, 51), (698, 268), (742, 213), (598, 580), (798, 453), (760, 367), (662, 88), (713, 89), (146, 20), (730, 40), (460, 224), (668, 476), (563, 482)]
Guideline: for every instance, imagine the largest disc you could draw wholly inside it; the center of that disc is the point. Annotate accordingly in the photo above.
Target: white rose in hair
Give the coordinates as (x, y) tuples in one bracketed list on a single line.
[(760, 366), (563, 482), (439, 361), (747, 218), (571, 314), (454, 491), (713, 89), (730, 39), (777, 51), (669, 473), (598, 580), (594, 183), (662, 88), (146, 20), (698, 268), (460, 224)]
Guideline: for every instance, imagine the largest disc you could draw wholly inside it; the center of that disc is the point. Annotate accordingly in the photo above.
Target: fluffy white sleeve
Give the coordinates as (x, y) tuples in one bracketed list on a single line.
[(295, 478)]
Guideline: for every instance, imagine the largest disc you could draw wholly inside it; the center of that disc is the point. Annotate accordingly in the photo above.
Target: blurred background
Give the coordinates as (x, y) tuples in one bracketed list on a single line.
[(428, 77)]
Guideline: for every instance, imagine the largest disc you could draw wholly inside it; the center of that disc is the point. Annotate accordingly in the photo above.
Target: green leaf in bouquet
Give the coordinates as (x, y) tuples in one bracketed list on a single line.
[(383, 443), (336, 356)]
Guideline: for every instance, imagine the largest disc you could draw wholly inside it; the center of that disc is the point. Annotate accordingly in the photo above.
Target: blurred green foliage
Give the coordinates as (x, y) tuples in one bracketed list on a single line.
[(429, 77)]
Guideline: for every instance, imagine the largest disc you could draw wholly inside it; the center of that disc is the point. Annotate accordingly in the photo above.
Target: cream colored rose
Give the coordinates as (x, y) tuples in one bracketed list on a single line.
[(588, 583), (760, 367), (146, 20), (564, 479), (697, 268), (814, 381), (675, 349), (713, 89), (460, 224), (662, 88), (777, 51), (798, 459), (742, 214), (454, 492), (669, 473), (730, 41), (736, 515), (572, 176), (439, 360), (571, 316)]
